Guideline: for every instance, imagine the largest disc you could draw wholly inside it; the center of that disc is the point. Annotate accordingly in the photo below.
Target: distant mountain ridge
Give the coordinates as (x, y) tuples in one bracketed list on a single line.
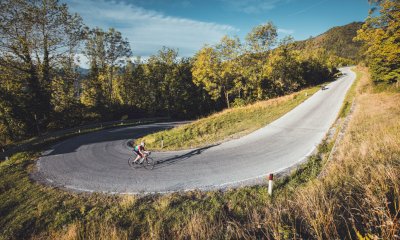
[(338, 40)]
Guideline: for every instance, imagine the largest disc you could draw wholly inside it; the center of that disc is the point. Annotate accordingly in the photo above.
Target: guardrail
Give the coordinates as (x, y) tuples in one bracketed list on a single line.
[(52, 136)]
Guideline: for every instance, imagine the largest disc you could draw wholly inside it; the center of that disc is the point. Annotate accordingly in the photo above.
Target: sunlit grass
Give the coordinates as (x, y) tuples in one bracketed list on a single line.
[(228, 124)]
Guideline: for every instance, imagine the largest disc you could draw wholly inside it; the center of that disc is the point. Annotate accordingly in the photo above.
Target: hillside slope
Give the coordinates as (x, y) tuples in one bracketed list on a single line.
[(337, 40)]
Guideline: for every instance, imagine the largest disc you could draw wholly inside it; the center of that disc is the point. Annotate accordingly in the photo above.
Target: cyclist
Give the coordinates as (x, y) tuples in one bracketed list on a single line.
[(140, 151)]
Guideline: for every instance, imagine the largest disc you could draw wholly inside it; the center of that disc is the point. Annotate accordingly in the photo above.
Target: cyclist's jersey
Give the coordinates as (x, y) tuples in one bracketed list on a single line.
[(138, 148)]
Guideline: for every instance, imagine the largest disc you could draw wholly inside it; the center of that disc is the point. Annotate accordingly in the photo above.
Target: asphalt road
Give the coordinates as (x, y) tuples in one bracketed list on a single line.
[(97, 162)]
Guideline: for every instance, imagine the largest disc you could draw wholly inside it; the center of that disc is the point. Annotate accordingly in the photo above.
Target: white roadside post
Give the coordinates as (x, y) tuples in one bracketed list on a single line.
[(270, 183), (4, 152), (162, 142)]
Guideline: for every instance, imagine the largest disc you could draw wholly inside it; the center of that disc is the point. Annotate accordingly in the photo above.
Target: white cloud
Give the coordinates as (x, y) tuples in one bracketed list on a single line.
[(253, 6), (285, 31), (149, 30), (308, 8)]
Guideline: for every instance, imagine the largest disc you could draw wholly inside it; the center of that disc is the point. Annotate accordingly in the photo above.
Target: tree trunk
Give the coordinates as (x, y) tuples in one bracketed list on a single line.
[(46, 64), (111, 84), (227, 99)]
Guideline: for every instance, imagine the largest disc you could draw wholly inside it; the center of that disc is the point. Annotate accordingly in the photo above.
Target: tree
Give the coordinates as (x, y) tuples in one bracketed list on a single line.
[(259, 41), (117, 50), (93, 90), (284, 68), (12, 107), (106, 51), (229, 51), (136, 83), (380, 36), (34, 36), (206, 67), (169, 82), (262, 38)]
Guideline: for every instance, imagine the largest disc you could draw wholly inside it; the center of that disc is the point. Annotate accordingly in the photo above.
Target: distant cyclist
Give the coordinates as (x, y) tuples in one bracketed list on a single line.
[(140, 151)]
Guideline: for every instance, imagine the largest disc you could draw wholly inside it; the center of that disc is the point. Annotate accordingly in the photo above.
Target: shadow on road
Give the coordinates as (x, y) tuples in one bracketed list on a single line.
[(179, 158), (109, 135)]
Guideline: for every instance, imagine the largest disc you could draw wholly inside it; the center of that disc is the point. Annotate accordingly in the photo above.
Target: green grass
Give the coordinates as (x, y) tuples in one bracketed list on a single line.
[(228, 124)]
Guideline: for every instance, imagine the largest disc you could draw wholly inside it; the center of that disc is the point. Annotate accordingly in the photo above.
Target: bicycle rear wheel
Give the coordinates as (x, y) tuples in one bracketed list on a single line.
[(149, 163)]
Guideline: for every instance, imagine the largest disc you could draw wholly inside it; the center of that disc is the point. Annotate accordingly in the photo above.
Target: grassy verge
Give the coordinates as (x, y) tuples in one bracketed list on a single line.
[(351, 94), (358, 198), (231, 123)]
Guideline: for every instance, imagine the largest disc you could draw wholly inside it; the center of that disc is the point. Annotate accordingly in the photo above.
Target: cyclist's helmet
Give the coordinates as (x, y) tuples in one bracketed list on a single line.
[(142, 144)]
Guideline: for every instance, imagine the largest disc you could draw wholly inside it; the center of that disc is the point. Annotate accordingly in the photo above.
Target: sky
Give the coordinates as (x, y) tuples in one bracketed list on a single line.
[(187, 25)]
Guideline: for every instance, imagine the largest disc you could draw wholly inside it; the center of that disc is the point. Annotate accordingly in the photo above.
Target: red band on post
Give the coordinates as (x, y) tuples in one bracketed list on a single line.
[(271, 176)]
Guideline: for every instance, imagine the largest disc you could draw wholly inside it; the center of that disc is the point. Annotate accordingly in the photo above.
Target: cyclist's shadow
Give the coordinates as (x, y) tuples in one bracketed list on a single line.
[(179, 158)]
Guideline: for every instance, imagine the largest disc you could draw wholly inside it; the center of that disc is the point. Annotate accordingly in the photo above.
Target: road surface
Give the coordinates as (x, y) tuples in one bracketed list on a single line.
[(97, 162)]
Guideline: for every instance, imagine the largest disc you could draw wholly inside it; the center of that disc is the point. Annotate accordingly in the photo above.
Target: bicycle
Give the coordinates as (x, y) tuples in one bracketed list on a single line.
[(146, 162)]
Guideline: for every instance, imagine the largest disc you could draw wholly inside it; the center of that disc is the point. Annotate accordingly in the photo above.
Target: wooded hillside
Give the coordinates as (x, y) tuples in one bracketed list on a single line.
[(337, 41)]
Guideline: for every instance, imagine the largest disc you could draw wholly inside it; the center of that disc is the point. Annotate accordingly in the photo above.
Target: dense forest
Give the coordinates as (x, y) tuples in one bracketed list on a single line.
[(42, 86)]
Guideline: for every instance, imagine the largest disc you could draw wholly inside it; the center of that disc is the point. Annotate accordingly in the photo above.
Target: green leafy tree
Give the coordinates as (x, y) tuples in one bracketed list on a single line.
[(284, 69), (34, 36), (137, 84), (262, 38), (259, 41), (380, 36), (106, 51), (229, 50), (12, 106), (117, 50), (206, 69), (126, 86), (217, 69)]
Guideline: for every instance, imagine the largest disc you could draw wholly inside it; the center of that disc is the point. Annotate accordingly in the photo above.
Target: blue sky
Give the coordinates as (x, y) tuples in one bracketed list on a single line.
[(187, 25)]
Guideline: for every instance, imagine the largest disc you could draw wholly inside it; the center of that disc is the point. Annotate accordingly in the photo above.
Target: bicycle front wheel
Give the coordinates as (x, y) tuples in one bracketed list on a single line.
[(149, 163), (131, 163)]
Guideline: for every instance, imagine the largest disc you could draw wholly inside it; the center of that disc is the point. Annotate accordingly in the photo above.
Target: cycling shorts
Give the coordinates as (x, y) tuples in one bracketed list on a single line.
[(138, 153)]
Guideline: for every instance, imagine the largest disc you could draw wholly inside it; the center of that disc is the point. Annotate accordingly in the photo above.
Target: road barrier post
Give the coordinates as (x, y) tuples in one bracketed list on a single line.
[(162, 142), (4, 152), (270, 183)]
